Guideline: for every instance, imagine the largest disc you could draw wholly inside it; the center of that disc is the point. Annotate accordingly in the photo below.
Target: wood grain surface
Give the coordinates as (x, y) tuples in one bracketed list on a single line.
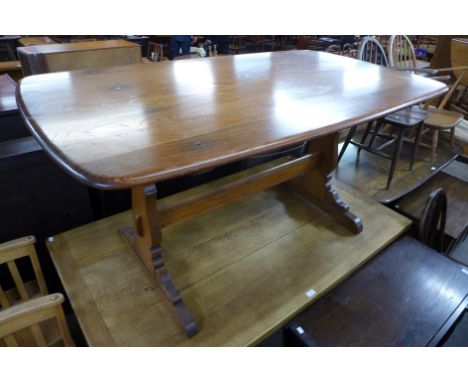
[(122, 126), (7, 95), (402, 297), (243, 269)]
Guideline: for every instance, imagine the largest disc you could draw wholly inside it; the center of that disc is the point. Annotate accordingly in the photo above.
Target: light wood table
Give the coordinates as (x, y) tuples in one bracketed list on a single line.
[(37, 59), (36, 40), (244, 269), (134, 126)]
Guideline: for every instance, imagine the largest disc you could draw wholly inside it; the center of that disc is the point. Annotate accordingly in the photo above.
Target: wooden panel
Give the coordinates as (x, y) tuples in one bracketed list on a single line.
[(12, 68), (7, 95), (80, 55), (243, 269), (457, 207), (129, 125), (402, 297), (36, 40), (459, 57)]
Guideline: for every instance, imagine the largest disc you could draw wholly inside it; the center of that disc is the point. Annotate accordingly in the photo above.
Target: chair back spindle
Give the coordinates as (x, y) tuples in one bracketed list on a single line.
[(372, 51), (401, 52)]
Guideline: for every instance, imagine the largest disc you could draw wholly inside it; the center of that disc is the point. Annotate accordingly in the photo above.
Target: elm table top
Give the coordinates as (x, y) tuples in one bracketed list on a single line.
[(122, 126)]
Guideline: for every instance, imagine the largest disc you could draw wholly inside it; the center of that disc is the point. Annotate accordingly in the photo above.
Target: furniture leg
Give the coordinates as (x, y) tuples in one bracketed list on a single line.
[(315, 183), (452, 136), (346, 142), (417, 141), (366, 133), (396, 155), (435, 140), (145, 240), (378, 126)]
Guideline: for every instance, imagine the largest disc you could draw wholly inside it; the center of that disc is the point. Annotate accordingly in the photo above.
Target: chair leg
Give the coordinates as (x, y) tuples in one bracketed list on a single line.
[(378, 126), (435, 140), (396, 155), (417, 141), (366, 133), (452, 136), (346, 142)]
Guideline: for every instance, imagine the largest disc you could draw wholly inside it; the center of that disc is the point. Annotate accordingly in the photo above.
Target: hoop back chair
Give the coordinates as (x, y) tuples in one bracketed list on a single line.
[(29, 316), (432, 222), (371, 50), (401, 52)]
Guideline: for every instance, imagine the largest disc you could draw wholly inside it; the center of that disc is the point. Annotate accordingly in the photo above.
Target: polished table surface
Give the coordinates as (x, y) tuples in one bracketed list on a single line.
[(128, 125), (408, 295), (7, 95)]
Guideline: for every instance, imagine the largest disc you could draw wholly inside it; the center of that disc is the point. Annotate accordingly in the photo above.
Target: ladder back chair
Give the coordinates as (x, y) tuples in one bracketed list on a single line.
[(29, 315)]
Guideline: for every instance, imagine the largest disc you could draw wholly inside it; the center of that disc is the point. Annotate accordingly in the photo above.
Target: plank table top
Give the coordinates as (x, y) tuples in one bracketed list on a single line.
[(7, 95), (244, 269), (122, 126)]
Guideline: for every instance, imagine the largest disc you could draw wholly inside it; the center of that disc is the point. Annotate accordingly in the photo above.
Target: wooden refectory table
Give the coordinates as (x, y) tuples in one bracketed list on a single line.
[(135, 125)]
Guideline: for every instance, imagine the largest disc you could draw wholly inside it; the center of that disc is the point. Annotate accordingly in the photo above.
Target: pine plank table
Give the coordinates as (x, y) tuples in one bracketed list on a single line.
[(134, 126), (244, 269)]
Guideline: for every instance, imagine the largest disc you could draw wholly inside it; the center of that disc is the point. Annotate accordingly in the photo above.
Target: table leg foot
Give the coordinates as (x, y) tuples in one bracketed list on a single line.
[(315, 184), (145, 241), (164, 282)]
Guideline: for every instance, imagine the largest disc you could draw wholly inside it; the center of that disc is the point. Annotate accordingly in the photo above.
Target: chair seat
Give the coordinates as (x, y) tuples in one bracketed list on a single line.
[(408, 117), (443, 119)]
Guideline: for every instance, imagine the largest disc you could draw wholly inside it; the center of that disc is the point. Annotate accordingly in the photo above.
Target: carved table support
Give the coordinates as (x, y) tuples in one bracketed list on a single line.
[(315, 184), (145, 241)]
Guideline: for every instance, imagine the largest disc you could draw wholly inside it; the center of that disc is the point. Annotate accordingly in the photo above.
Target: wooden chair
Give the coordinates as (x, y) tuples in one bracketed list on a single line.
[(156, 52), (401, 52), (350, 50), (29, 315), (432, 222), (335, 49), (441, 119), (371, 50)]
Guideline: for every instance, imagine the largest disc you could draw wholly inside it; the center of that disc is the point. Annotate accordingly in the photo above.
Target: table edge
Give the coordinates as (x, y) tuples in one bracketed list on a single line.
[(104, 182)]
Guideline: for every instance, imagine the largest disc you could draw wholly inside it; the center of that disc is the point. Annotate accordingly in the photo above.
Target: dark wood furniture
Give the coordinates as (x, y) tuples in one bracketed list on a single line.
[(79, 55), (11, 124), (7, 95), (8, 46), (178, 123), (408, 295), (403, 121), (37, 196), (413, 204)]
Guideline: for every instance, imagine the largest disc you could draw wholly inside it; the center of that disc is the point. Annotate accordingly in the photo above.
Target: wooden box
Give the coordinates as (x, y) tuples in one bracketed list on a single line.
[(79, 55)]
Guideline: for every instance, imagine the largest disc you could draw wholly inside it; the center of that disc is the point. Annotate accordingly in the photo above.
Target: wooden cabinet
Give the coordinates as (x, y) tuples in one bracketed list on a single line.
[(79, 55)]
